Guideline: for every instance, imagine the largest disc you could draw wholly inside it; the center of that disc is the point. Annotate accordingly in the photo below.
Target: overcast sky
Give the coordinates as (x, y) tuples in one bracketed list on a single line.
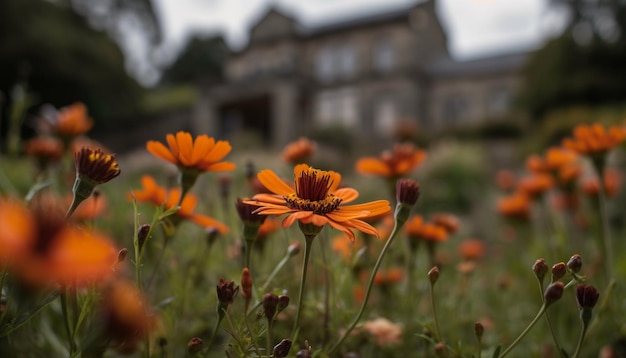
[(475, 27)]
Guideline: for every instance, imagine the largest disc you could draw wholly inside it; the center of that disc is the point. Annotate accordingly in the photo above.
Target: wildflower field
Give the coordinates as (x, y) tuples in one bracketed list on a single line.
[(205, 251)]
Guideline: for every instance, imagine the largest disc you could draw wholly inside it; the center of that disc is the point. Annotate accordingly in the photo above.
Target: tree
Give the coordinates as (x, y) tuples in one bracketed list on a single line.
[(202, 59), (584, 65), (62, 59)]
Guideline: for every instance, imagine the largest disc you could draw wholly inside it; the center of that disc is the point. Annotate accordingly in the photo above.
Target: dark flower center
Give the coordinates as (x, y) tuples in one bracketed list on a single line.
[(312, 193)]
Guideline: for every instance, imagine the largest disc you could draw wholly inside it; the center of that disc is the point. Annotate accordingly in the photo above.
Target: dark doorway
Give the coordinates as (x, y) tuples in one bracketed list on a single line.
[(251, 114)]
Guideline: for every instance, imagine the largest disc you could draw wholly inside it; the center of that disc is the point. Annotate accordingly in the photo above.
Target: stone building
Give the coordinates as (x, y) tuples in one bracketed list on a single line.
[(366, 74)]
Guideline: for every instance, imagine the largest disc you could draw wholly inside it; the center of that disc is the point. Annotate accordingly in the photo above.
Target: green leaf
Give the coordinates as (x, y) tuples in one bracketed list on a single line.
[(496, 353)]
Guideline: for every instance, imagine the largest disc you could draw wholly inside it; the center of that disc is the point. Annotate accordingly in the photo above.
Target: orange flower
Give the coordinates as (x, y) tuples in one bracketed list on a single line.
[(43, 250), (267, 228), (447, 221), (472, 249), (595, 138), (91, 208), (299, 151), (44, 149), (153, 193), (535, 184), (612, 180), (388, 277), (555, 158), (72, 121), (203, 154), (415, 227), (515, 206), (392, 164), (505, 179), (317, 200)]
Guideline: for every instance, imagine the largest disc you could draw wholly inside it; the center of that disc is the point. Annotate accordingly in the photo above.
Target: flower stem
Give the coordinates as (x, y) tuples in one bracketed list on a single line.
[(525, 332), (308, 241), (606, 231), (268, 338), (581, 338), (432, 305), (66, 322), (556, 341), (370, 283), (278, 267)]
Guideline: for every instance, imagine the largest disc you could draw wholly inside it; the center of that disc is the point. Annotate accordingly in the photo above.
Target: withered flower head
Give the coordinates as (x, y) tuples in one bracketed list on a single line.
[(283, 302), (586, 296), (433, 275), (226, 292), (247, 213), (479, 330), (195, 345)]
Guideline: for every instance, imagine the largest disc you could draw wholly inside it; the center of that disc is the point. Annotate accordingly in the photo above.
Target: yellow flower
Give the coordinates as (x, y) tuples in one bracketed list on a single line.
[(203, 154), (318, 200)]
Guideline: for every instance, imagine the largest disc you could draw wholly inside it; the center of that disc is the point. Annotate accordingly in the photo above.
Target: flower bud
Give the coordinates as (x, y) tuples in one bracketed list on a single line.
[(282, 348), (558, 270), (575, 263), (283, 302), (479, 330), (440, 349), (586, 296), (121, 255), (540, 268), (226, 292), (553, 293), (433, 275), (294, 248), (304, 353), (194, 345), (142, 234), (246, 284), (407, 193), (270, 302)]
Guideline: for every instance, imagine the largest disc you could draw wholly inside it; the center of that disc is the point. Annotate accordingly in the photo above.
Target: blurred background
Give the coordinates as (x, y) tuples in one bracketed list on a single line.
[(352, 75)]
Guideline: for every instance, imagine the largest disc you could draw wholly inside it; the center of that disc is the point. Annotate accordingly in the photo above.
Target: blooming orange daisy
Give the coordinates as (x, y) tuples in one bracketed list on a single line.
[(535, 184), (318, 200), (157, 195), (472, 249), (299, 151), (72, 121), (595, 138), (203, 154), (516, 205), (416, 227), (392, 164)]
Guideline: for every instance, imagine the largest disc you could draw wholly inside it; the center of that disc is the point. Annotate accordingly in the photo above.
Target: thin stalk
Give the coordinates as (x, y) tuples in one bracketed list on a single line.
[(581, 338), (326, 322), (370, 283), (268, 338), (432, 305), (525, 332), (220, 317), (278, 267), (247, 323), (66, 322), (308, 241), (606, 231)]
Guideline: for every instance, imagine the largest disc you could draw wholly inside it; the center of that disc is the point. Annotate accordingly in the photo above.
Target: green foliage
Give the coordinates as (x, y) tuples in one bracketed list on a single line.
[(201, 59), (63, 60), (569, 71)]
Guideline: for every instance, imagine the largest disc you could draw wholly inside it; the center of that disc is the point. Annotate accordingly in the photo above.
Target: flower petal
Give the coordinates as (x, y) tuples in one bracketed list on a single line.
[(201, 148), (160, 151), (218, 152), (298, 215), (346, 195), (185, 146), (273, 183), (373, 166), (220, 167)]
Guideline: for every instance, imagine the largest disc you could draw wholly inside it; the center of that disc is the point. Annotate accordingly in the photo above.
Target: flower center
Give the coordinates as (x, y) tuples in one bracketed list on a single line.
[(329, 204), (312, 188)]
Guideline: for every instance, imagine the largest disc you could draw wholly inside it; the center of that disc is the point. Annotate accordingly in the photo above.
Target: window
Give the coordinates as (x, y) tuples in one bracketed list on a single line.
[(498, 101), (385, 117), (384, 56), (337, 107), (346, 62), (455, 107), (324, 67), (333, 63)]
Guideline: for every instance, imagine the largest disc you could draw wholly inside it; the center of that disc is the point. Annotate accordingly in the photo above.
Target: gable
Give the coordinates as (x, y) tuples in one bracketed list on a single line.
[(272, 26)]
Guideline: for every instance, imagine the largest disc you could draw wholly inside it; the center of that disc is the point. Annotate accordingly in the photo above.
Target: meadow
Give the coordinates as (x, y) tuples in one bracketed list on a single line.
[(195, 248)]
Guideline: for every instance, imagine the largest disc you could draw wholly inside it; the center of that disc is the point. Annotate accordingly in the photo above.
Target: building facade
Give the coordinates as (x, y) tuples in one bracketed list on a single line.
[(366, 74)]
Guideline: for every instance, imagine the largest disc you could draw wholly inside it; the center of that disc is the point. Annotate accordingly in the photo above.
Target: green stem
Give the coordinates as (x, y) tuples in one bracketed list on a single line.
[(583, 331), (556, 341), (370, 283), (606, 231), (278, 267), (308, 242), (268, 338), (66, 322), (247, 323), (525, 332), (249, 244), (220, 317), (432, 305)]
